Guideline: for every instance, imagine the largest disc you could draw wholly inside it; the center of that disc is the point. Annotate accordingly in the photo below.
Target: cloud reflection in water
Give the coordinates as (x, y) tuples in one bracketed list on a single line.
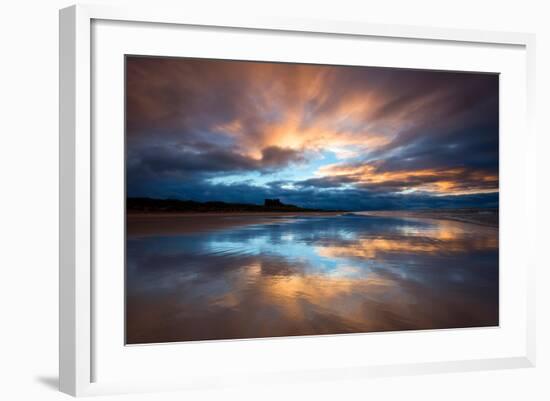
[(311, 275)]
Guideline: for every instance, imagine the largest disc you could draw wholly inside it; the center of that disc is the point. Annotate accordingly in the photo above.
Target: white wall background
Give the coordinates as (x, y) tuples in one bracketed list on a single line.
[(29, 186)]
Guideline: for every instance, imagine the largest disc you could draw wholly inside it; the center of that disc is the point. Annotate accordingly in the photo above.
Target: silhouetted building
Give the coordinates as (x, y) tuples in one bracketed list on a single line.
[(272, 203)]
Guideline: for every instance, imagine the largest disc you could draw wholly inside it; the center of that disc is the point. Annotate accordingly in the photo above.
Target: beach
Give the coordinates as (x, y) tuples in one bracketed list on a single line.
[(218, 276), (143, 224), (485, 217)]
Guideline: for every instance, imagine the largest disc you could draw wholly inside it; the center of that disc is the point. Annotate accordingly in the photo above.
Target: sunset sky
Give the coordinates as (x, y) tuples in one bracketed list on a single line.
[(354, 138)]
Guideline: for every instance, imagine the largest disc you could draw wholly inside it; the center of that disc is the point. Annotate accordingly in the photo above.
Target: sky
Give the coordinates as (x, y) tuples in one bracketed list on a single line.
[(318, 136)]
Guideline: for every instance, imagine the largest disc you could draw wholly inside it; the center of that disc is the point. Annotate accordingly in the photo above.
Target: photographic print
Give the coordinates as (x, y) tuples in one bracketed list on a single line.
[(270, 199)]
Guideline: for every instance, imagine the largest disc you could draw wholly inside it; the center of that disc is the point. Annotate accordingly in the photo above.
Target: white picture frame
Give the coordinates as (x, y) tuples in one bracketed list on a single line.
[(77, 219)]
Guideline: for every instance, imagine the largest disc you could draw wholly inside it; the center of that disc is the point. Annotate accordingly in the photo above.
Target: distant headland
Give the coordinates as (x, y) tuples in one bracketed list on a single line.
[(152, 205)]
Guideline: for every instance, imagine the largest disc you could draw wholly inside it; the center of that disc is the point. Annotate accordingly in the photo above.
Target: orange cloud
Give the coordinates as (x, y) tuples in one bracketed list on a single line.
[(453, 181), (334, 129)]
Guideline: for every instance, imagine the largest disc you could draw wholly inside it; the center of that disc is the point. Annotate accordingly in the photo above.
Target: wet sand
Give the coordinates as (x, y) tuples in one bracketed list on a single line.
[(231, 276), (155, 224), (488, 217)]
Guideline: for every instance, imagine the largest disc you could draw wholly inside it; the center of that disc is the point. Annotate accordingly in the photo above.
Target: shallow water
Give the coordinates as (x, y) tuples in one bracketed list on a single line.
[(311, 275)]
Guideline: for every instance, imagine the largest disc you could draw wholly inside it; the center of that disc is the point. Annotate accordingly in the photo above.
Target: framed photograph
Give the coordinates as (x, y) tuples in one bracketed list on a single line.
[(277, 200)]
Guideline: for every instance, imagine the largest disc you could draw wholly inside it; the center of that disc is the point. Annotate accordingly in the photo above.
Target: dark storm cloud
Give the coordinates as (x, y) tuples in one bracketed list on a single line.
[(275, 156), (312, 197), (460, 129), (184, 161)]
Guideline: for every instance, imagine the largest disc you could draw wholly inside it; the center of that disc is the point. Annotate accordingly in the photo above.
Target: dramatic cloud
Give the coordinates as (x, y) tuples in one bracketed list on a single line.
[(318, 136), (274, 156), (451, 181)]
